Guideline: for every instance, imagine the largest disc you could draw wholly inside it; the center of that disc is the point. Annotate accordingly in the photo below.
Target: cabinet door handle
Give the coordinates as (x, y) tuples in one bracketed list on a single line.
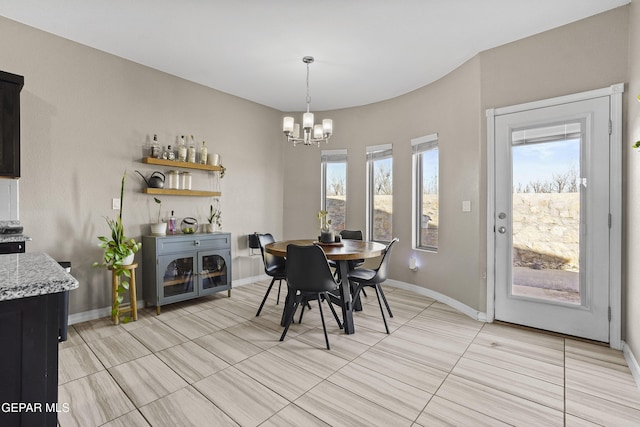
[(196, 242)]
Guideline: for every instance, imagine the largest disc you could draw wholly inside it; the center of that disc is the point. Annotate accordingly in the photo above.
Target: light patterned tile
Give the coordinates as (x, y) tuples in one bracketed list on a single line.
[(573, 421), (227, 347), (238, 307), (441, 413), (395, 395), (498, 404), (244, 399), (132, 419), (93, 400), (190, 325), (420, 353), (309, 357), (73, 338), (116, 349), (280, 375), (516, 384), (191, 361), (418, 375), (339, 407), (437, 339), (185, 407), (600, 411), (158, 337), (146, 317), (76, 362), (220, 318), (293, 416), (255, 334), (95, 329), (595, 353), (146, 379), (341, 345)]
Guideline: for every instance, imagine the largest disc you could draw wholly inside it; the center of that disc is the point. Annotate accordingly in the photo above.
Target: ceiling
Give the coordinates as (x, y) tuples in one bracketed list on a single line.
[(365, 50)]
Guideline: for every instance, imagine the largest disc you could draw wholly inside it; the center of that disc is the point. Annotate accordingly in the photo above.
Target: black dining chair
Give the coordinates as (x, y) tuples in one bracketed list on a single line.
[(349, 235), (373, 278), (274, 266), (309, 277)]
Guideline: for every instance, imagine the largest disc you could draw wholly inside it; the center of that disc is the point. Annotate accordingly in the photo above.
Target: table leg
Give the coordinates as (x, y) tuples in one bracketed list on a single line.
[(347, 301), (288, 306)]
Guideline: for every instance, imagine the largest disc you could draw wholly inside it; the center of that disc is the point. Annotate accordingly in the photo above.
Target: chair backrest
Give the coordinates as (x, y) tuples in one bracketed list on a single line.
[(271, 262), (383, 270), (351, 234), (308, 269)]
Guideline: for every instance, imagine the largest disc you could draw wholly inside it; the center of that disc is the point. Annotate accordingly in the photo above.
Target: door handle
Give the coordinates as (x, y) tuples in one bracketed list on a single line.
[(502, 230)]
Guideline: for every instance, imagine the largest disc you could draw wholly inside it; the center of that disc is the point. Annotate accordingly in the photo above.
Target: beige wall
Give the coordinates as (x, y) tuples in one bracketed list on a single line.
[(585, 55), (85, 118), (631, 266)]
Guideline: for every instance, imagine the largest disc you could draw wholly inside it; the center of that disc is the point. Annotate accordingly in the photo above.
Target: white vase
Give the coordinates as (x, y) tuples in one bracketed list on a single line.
[(128, 260), (210, 228), (159, 229)]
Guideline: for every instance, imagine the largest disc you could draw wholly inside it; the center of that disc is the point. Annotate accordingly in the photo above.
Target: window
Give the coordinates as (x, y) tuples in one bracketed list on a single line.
[(425, 184), (334, 187), (379, 192)]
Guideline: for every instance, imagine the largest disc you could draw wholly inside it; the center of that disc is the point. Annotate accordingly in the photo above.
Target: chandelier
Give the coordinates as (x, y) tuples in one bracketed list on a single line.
[(321, 132)]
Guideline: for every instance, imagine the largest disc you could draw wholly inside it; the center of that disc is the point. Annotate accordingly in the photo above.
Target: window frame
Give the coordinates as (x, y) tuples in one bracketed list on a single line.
[(419, 146), (332, 156), (374, 153)]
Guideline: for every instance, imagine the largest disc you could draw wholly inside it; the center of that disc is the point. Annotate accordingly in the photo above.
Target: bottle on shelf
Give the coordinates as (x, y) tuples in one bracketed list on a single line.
[(168, 154), (203, 154), (172, 224), (182, 150), (156, 149), (191, 151)]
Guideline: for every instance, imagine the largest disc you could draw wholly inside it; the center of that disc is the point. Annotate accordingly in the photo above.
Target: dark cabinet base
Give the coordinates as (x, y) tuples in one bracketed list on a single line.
[(29, 331)]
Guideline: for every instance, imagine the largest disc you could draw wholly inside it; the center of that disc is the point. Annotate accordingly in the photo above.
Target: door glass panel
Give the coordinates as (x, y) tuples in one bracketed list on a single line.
[(546, 212), (214, 271), (178, 277)]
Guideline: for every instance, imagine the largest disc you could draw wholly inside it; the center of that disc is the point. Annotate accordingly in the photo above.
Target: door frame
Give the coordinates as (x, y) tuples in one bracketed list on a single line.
[(615, 198)]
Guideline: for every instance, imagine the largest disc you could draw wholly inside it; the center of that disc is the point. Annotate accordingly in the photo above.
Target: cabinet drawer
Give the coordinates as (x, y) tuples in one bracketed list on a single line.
[(196, 241)]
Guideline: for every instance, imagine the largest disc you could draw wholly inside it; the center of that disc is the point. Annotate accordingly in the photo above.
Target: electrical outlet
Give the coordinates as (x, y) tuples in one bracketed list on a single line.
[(115, 204)]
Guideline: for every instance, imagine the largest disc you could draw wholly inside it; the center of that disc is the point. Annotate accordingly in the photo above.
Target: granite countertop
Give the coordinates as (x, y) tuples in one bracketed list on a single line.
[(31, 274)]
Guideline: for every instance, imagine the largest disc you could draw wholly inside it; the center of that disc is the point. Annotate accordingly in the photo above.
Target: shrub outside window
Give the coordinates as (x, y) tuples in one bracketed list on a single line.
[(380, 192), (426, 177), (334, 187)]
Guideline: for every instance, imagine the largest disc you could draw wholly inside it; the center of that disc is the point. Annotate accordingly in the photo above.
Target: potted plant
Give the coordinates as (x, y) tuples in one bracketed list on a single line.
[(214, 219), (160, 227), (119, 251), (326, 234)]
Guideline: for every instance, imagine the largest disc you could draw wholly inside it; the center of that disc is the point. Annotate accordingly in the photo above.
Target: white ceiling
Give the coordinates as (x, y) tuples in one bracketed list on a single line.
[(365, 50)]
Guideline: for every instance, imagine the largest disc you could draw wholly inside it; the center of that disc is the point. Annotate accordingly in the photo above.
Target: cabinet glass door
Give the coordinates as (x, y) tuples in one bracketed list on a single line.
[(178, 277), (213, 271)]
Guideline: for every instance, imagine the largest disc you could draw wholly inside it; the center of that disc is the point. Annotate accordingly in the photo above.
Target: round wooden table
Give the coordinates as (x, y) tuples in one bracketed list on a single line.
[(343, 252)]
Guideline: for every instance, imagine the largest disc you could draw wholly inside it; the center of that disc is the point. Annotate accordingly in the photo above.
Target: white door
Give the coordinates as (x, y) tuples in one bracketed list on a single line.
[(552, 218)]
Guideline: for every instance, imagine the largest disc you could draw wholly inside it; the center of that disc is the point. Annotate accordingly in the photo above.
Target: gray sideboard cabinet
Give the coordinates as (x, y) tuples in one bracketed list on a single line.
[(184, 266)]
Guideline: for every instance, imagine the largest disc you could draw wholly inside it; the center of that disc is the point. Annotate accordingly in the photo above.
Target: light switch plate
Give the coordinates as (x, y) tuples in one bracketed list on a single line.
[(466, 206), (115, 204)]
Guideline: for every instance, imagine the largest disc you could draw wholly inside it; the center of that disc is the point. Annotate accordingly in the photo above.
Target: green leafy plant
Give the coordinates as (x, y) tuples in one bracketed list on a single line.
[(116, 249)]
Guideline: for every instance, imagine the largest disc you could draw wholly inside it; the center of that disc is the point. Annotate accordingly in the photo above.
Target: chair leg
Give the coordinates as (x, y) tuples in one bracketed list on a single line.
[(381, 309), (305, 303), (289, 320), (324, 327), (384, 299), (279, 286), (265, 296), (333, 310), (364, 293)]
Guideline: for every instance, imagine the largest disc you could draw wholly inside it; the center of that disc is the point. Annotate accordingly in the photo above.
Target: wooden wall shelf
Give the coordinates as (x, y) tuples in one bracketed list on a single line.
[(177, 164), (172, 192)]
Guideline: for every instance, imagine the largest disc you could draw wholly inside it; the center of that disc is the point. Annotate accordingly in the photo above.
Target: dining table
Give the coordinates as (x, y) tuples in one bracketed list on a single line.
[(341, 252)]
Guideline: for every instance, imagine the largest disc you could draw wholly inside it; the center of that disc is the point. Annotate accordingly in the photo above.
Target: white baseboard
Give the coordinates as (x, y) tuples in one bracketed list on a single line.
[(106, 311), (632, 362), (455, 304)]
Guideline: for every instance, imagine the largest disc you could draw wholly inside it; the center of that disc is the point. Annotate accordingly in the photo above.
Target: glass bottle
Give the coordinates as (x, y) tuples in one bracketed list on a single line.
[(191, 152), (172, 224), (168, 154), (156, 149), (203, 154), (182, 150)]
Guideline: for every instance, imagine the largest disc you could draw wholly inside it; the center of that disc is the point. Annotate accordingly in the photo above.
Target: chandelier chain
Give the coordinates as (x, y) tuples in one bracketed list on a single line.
[(308, 93)]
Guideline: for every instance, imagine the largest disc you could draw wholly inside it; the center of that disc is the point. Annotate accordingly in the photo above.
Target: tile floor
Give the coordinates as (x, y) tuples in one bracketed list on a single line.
[(211, 362)]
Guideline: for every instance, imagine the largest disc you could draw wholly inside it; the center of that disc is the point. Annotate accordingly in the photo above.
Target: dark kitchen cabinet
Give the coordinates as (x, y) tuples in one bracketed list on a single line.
[(10, 87)]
